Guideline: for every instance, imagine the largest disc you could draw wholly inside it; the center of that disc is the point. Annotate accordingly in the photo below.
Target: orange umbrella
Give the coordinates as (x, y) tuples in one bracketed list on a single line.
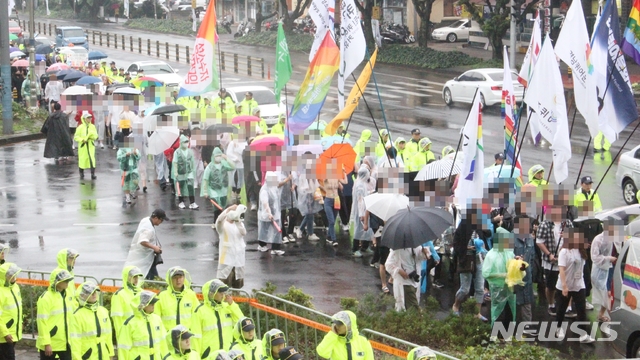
[(336, 158)]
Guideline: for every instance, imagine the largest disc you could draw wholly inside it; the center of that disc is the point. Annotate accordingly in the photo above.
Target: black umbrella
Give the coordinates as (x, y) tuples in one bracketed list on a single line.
[(168, 109), (44, 49), (74, 75), (409, 228), (221, 129), (60, 75)]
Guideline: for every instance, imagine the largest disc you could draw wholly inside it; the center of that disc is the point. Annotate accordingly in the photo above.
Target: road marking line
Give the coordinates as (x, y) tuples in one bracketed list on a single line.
[(411, 93), (13, 186), (97, 224), (6, 225), (209, 225)]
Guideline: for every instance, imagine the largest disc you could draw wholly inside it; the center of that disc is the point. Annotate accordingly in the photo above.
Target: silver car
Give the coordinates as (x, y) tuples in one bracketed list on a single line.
[(628, 174)]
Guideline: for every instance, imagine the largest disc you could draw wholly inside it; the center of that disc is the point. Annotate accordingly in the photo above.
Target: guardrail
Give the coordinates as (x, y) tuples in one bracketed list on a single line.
[(231, 62), (304, 327)]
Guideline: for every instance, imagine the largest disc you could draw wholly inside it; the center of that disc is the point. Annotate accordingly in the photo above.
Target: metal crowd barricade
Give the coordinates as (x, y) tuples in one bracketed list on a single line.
[(394, 345)]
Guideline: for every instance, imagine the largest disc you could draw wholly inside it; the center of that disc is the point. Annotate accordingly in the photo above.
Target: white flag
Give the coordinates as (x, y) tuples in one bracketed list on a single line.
[(322, 12), (573, 47), (526, 71), (545, 96), (126, 9), (352, 44), (470, 183)]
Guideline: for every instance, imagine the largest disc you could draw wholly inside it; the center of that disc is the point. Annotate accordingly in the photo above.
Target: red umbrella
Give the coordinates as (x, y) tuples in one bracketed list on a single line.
[(334, 159), (244, 119), (57, 67), (20, 63), (263, 142)]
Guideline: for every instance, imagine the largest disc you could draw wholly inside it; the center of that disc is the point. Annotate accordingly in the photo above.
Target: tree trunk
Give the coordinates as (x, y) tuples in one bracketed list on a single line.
[(423, 34), (367, 16), (496, 44)]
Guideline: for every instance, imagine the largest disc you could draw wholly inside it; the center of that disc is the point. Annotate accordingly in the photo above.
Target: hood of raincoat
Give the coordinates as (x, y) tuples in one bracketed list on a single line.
[(174, 337), (212, 287), (233, 354), (9, 270), (447, 150), (348, 318), (399, 140), (87, 289), (132, 270), (266, 341), (142, 299), (216, 152), (187, 279), (363, 174), (220, 355), (58, 276), (62, 258), (86, 117), (534, 170), (184, 142), (503, 236), (365, 135), (237, 331), (423, 142), (421, 352)]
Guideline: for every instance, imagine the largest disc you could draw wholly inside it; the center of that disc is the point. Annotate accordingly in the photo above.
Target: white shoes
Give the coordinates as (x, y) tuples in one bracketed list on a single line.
[(127, 198), (313, 237), (193, 206), (586, 339), (263, 248), (292, 238), (345, 228), (588, 306), (181, 205), (298, 232), (254, 207), (560, 334), (285, 239), (277, 252)]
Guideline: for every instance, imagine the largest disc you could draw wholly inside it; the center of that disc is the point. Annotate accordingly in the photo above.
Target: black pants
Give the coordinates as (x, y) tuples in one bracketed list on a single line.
[(360, 245), (506, 316), (173, 188), (62, 355), (93, 173), (345, 209), (7, 351), (273, 246), (153, 273), (586, 274), (579, 302), (108, 135), (431, 263)]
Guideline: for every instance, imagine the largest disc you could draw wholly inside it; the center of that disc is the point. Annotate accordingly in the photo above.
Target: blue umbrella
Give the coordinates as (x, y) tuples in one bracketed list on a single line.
[(62, 73), (40, 57), (327, 141), (97, 55), (86, 80), (494, 171)]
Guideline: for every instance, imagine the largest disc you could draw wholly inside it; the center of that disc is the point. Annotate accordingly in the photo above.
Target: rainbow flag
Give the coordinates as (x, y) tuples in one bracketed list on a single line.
[(315, 86), (203, 73), (631, 41), (508, 108), (631, 277)]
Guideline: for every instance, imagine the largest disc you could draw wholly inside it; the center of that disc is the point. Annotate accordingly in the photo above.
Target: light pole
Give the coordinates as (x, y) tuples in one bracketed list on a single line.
[(512, 37)]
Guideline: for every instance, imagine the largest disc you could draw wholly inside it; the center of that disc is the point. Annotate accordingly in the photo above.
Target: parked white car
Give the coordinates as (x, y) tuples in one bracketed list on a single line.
[(459, 30), (628, 174), (489, 82), (156, 69), (270, 110)]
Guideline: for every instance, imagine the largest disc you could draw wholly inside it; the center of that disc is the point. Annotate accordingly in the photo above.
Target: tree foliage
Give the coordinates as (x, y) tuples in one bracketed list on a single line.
[(497, 23), (261, 17)]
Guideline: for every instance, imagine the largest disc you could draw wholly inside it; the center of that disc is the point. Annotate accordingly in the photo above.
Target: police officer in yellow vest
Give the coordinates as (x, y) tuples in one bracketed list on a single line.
[(382, 145), (600, 142), (248, 104), (412, 147), (536, 175), (262, 124), (401, 147), (422, 157), (279, 127), (587, 194)]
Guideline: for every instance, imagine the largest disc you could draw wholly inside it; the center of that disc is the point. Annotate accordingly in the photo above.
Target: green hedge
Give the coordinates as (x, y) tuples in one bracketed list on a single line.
[(177, 26), (25, 120), (296, 42)]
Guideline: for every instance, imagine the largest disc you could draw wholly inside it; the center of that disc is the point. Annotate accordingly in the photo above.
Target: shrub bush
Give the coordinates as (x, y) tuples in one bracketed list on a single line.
[(424, 57), (174, 26), (296, 42), (25, 120)]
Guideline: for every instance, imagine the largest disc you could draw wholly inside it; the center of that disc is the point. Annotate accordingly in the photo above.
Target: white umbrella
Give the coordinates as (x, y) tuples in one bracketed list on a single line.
[(77, 90), (17, 54), (439, 169), (127, 90), (385, 206), (162, 139)]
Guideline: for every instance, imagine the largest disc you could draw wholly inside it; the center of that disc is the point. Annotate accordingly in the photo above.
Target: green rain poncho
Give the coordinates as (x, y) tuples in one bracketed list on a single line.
[(215, 181), (128, 159), (183, 168), (494, 270)]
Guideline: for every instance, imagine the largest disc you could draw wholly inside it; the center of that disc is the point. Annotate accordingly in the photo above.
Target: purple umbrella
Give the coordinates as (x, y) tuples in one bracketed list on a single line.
[(12, 49)]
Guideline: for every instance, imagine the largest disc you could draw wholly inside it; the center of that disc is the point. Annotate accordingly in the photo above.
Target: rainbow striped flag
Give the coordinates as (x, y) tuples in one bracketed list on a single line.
[(631, 277), (631, 41), (508, 108), (315, 86)]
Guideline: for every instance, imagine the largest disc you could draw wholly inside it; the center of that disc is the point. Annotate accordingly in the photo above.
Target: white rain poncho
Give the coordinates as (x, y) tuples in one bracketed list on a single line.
[(601, 249), (141, 256), (306, 188), (407, 260), (288, 197), (232, 245), (269, 200), (358, 208)]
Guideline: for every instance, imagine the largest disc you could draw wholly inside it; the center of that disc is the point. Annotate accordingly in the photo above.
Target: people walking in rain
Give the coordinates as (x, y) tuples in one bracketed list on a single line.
[(494, 270), (178, 302), (59, 143), (231, 259), (121, 310), (55, 308), (179, 344), (90, 327), (11, 322), (288, 209), (272, 342), (214, 320), (603, 260), (215, 181), (336, 178), (128, 157), (524, 247), (145, 249), (143, 335), (86, 135), (236, 177), (362, 234), (244, 339), (183, 173), (402, 264), (344, 341), (269, 216)]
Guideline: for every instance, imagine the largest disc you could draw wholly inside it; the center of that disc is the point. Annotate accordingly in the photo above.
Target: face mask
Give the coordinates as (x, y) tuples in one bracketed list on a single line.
[(184, 145), (217, 159)]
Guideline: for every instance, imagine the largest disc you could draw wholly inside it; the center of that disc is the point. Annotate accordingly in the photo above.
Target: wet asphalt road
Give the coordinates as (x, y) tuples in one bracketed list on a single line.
[(45, 207)]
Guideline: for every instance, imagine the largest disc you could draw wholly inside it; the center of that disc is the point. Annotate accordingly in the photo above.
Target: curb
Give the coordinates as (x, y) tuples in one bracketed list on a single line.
[(13, 139)]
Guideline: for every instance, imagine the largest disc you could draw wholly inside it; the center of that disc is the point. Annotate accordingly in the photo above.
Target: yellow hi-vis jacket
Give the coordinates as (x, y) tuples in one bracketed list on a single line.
[(121, 308), (90, 334), (581, 197), (420, 159), (252, 349), (352, 346), (10, 306), (62, 264), (142, 336), (54, 312), (176, 308), (213, 325)]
